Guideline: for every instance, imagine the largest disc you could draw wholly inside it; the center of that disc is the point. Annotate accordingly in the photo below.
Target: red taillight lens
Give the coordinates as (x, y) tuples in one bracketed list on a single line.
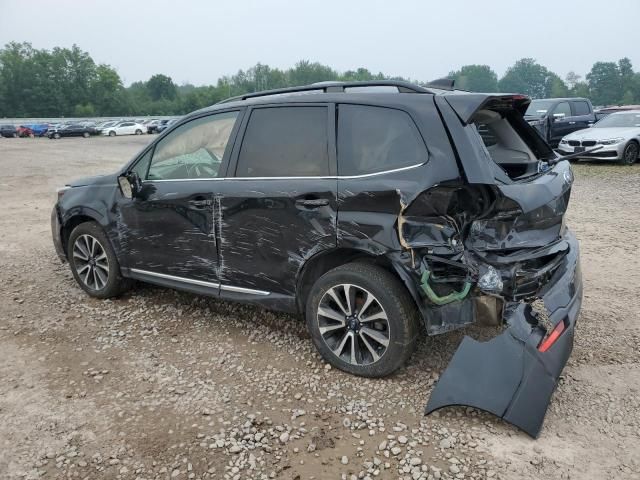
[(553, 336)]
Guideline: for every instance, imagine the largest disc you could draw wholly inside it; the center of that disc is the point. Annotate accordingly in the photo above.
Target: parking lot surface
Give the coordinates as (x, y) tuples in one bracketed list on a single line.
[(162, 384)]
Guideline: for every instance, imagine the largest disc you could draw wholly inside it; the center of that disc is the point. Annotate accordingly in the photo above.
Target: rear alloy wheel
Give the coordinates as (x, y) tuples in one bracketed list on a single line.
[(138, 132), (93, 262), (85, 134), (112, 133), (362, 320), (630, 154), (56, 136)]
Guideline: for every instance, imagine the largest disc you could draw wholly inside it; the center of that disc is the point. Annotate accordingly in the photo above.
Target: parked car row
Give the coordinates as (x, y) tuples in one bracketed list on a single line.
[(572, 126), (85, 129), (31, 130)]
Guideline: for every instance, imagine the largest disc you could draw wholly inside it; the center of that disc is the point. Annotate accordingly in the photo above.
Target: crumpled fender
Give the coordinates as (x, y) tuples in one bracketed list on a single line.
[(507, 375)]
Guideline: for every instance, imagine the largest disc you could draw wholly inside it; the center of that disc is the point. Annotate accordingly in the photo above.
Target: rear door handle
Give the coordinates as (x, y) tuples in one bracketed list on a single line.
[(200, 203), (572, 123), (313, 202)]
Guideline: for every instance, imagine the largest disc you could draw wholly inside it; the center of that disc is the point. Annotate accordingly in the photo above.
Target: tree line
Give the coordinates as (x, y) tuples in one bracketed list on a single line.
[(68, 82)]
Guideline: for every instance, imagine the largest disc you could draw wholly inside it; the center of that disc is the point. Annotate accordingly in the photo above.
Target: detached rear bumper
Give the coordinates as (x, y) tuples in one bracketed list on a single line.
[(507, 375)]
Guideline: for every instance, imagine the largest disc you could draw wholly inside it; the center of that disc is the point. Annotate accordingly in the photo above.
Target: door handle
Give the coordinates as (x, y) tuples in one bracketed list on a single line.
[(312, 202), (200, 203), (572, 123)]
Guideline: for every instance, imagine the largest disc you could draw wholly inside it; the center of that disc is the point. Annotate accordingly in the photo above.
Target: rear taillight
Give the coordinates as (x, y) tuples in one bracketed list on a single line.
[(552, 337)]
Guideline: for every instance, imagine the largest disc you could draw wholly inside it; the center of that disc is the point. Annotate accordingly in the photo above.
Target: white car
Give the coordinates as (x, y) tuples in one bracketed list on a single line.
[(124, 128), (617, 137)]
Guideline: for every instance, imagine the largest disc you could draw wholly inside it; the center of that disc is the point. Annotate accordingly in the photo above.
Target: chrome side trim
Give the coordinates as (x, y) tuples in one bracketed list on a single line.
[(231, 288), (331, 177), (202, 283), (192, 281)]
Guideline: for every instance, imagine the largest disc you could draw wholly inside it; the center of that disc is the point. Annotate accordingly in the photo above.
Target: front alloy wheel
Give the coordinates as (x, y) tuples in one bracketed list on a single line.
[(91, 262), (353, 324), (94, 263)]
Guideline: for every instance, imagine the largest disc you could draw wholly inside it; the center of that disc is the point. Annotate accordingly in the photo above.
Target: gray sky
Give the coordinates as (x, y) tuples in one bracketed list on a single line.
[(198, 41)]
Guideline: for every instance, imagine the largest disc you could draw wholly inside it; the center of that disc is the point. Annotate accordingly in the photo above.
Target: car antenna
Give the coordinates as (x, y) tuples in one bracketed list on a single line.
[(553, 161)]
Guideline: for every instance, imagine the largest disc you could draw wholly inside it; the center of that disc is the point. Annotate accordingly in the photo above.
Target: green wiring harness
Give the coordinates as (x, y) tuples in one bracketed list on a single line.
[(442, 300)]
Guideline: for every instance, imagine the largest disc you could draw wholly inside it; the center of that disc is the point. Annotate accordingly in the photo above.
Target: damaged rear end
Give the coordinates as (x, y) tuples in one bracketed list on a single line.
[(494, 249)]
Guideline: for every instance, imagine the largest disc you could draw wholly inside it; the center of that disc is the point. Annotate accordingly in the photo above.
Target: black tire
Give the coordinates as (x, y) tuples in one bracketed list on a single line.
[(138, 132), (112, 133), (115, 283), (630, 153), (401, 318)]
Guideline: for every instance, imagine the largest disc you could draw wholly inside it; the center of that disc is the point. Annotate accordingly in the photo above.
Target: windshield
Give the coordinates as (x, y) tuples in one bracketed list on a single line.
[(619, 120), (539, 108)]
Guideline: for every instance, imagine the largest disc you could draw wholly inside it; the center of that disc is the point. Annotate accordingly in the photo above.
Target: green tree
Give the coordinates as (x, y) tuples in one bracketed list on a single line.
[(530, 78), (107, 91), (360, 75), (15, 76), (555, 87), (605, 83), (161, 87), (84, 110), (580, 89), (475, 78), (306, 73), (572, 79)]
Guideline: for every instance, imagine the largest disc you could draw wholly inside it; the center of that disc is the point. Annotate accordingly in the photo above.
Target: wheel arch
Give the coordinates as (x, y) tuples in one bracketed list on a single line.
[(78, 218), (327, 260)]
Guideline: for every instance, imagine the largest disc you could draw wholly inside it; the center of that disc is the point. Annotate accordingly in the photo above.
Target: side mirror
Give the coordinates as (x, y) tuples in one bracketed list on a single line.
[(129, 184)]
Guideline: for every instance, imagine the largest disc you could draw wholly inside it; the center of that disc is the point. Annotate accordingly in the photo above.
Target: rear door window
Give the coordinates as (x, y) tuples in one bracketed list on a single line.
[(580, 108), (285, 142), (376, 139)]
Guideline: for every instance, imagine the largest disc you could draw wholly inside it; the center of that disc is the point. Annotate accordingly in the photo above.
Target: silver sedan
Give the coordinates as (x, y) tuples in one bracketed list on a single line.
[(617, 136)]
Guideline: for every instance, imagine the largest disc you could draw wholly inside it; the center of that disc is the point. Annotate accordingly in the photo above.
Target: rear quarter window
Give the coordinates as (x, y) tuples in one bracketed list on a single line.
[(377, 139)]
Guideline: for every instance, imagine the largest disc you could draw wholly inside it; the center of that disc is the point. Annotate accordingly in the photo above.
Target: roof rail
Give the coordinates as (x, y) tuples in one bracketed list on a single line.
[(331, 86)]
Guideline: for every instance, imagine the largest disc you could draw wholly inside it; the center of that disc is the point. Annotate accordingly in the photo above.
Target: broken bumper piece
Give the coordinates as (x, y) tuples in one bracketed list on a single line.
[(509, 375)]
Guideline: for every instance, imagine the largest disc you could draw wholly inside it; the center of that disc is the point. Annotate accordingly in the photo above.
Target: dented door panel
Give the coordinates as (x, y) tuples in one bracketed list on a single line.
[(269, 228), (168, 228)]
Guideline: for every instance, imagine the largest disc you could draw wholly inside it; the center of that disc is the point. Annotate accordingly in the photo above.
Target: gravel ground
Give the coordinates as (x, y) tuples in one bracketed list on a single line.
[(161, 384)]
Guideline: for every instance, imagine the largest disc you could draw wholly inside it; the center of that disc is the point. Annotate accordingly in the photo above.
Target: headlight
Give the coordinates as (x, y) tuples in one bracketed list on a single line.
[(610, 141), (564, 141)]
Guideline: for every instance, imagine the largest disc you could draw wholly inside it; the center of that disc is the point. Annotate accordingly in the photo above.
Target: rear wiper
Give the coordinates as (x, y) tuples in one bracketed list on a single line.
[(553, 161)]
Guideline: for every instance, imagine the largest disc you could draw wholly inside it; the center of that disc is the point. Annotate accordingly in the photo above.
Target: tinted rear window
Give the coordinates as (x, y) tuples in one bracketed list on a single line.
[(375, 139), (581, 108), (285, 142)]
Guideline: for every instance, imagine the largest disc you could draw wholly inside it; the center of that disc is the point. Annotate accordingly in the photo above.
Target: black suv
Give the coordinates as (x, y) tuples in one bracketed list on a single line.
[(555, 118), (373, 209)]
